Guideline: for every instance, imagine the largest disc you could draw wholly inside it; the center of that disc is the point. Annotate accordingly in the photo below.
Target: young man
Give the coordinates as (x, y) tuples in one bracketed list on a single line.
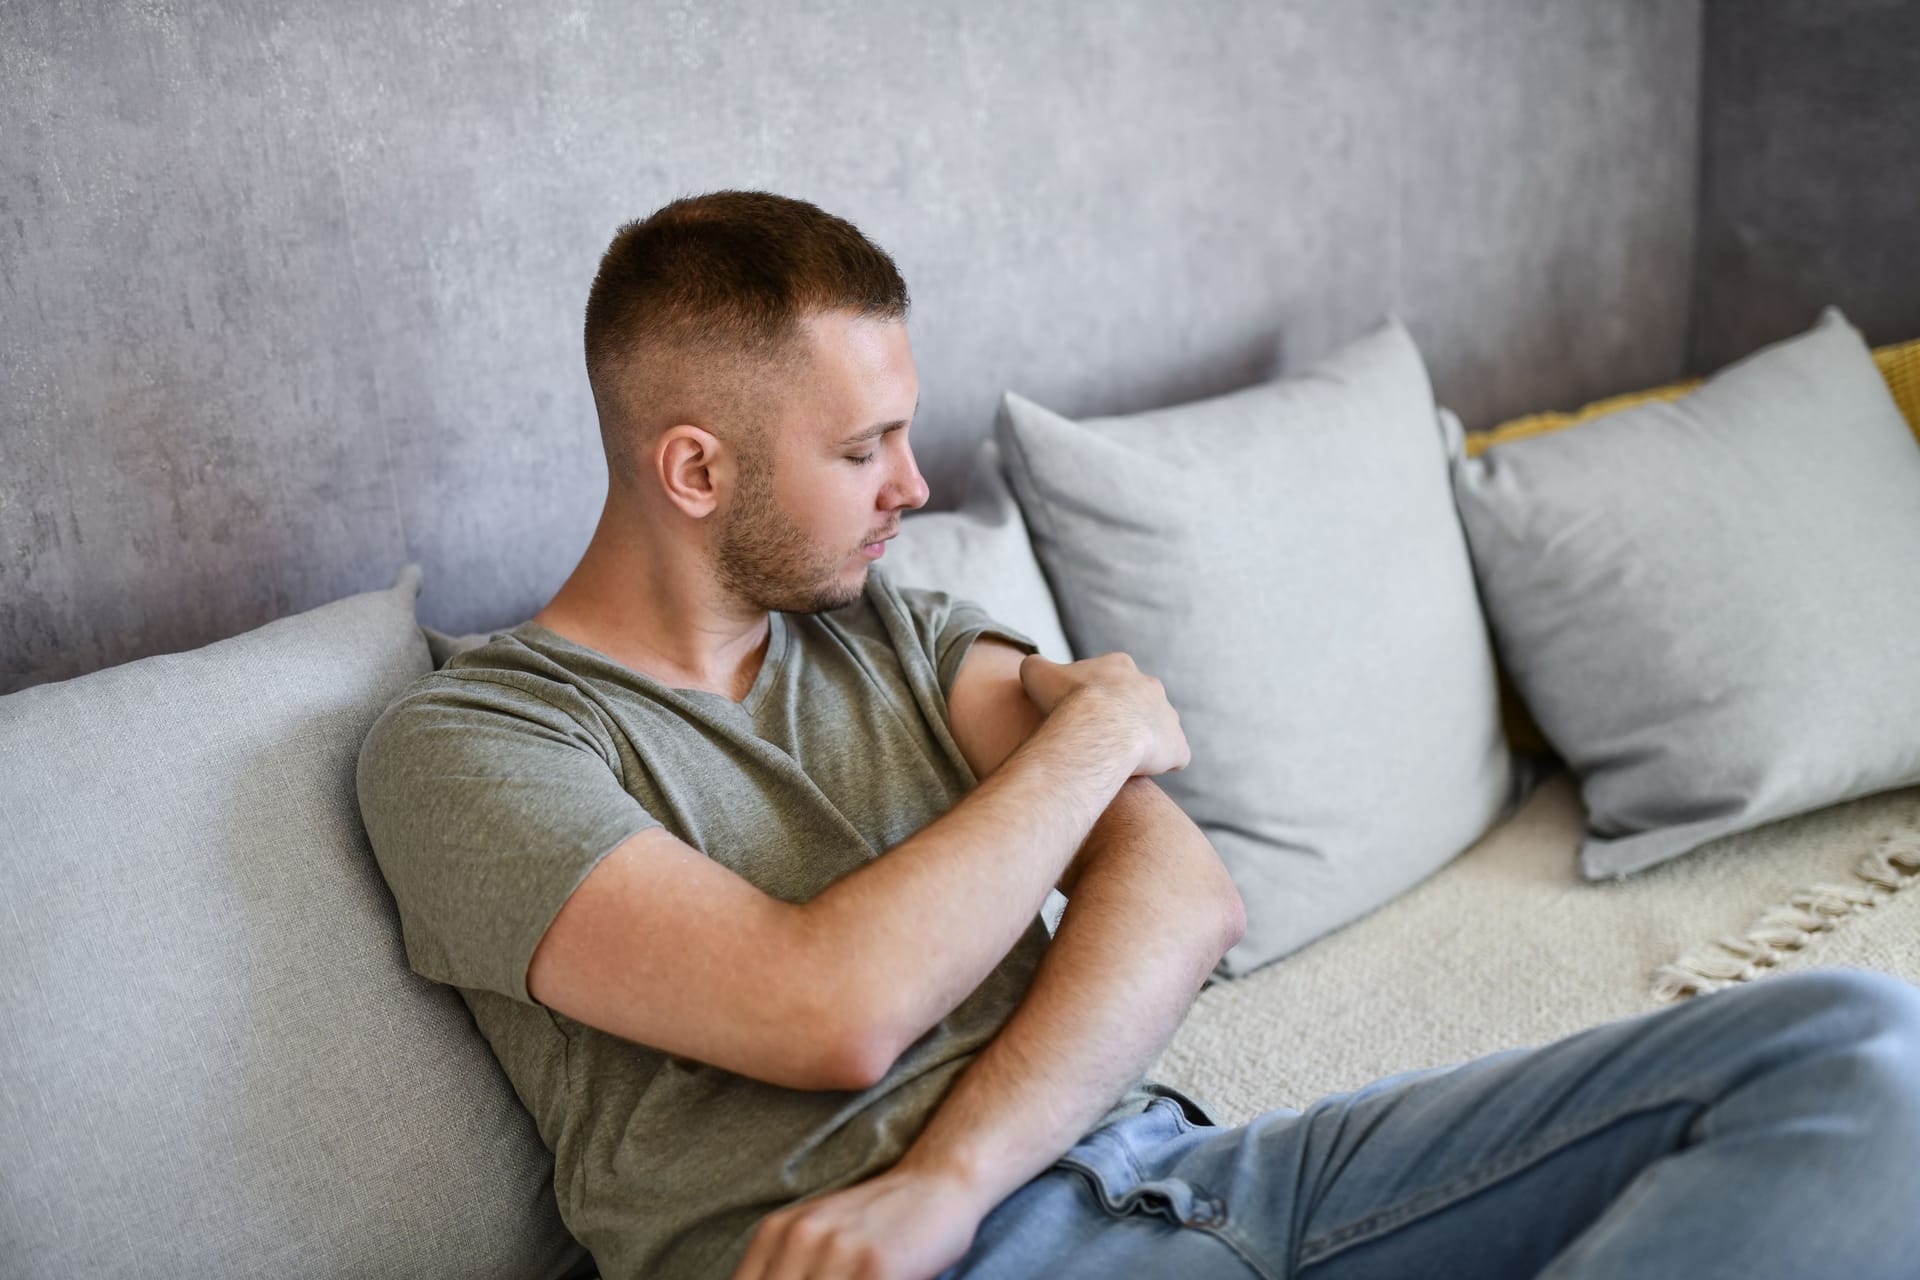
[(736, 851)]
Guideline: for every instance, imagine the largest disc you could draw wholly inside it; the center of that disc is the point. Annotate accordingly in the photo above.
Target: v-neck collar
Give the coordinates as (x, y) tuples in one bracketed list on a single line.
[(763, 680)]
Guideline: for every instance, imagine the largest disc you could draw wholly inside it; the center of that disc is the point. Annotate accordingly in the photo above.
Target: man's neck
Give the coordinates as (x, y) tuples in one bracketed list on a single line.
[(621, 648), (616, 601)]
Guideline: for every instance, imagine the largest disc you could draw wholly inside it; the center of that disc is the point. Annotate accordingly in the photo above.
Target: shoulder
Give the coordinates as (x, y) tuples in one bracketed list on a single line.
[(484, 703), (904, 621), (927, 609), (935, 615)]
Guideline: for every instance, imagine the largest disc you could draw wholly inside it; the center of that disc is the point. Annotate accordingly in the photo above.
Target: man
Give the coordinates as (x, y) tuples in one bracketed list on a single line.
[(736, 852)]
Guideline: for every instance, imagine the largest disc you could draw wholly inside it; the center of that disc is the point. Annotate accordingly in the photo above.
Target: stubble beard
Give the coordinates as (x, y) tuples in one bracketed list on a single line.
[(765, 560)]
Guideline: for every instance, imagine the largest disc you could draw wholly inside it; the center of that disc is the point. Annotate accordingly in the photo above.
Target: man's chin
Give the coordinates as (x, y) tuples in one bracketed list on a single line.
[(836, 596)]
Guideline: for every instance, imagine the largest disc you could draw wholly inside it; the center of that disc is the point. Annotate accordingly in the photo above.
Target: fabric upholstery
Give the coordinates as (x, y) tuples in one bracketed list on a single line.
[(214, 1060), (1709, 604), (1899, 364), (1507, 945)]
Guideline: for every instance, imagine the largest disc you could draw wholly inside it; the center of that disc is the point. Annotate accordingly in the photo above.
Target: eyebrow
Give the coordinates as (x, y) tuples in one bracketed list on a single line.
[(879, 428)]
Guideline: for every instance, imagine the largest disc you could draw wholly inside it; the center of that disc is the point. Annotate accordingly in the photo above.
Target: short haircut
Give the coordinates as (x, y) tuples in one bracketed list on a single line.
[(699, 300)]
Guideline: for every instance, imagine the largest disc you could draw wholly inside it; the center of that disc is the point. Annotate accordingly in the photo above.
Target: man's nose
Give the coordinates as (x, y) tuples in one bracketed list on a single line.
[(911, 490)]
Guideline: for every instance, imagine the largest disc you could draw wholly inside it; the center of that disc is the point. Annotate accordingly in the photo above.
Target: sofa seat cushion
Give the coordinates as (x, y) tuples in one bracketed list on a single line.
[(213, 1059), (1509, 945)]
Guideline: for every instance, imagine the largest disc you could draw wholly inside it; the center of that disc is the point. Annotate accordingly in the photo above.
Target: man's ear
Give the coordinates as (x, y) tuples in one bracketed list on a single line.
[(693, 468)]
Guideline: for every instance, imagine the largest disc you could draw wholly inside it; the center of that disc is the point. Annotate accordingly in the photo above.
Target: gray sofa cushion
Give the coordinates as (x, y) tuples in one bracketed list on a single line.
[(1712, 605), (213, 1058), (1286, 559)]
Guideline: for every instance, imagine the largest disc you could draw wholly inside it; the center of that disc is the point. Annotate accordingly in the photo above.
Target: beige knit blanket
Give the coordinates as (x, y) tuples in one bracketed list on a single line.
[(1507, 946)]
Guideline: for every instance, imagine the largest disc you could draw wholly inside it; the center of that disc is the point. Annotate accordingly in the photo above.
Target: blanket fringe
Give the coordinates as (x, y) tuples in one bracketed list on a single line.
[(1891, 866)]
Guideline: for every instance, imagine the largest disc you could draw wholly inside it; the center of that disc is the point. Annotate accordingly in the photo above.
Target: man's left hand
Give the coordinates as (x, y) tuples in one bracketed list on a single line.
[(901, 1225)]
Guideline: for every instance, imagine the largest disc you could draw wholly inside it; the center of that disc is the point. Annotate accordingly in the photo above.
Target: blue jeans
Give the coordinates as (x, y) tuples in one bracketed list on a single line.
[(1768, 1129)]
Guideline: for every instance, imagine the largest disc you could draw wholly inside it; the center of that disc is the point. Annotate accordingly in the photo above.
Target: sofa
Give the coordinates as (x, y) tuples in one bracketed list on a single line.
[(215, 1061), (1535, 925)]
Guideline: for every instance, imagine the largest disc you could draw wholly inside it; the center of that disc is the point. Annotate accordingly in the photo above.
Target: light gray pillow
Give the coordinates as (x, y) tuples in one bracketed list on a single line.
[(1712, 605), (981, 552), (1286, 559), (214, 1060)]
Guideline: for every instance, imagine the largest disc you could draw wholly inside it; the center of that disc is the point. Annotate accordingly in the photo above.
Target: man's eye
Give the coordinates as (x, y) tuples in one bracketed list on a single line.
[(865, 457)]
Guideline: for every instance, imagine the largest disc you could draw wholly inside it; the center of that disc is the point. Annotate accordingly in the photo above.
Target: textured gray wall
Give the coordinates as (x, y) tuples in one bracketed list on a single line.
[(1810, 172), (292, 294)]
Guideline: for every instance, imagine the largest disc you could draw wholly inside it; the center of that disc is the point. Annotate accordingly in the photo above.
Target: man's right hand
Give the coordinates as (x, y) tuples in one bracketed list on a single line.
[(1112, 687)]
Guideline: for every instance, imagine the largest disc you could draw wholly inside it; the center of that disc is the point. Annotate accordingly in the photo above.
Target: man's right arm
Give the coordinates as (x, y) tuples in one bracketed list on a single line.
[(666, 947)]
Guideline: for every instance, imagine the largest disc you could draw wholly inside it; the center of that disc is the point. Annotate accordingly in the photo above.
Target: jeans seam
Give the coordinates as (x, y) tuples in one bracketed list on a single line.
[(1432, 1199), (1245, 1248)]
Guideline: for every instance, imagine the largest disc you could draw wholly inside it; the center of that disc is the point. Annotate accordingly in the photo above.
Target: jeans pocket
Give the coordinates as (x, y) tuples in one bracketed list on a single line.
[(1175, 1199), (1189, 1113)]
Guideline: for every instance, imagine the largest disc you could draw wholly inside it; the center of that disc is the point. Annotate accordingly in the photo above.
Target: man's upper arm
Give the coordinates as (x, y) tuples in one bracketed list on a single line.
[(664, 946), (521, 865), (989, 712), (990, 715)]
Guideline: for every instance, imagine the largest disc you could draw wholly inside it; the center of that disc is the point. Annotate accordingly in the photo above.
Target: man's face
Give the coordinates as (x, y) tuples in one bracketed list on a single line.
[(806, 506)]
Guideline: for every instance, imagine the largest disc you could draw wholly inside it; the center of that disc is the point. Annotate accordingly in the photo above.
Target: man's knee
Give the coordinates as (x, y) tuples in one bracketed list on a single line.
[(1871, 1016), (1879, 1001)]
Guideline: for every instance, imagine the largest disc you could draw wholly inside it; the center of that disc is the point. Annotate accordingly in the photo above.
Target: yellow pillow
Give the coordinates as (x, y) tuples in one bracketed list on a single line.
[(1899, 365)]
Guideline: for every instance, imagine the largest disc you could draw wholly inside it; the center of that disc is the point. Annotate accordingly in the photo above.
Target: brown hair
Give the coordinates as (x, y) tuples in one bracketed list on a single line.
[(699, 300)]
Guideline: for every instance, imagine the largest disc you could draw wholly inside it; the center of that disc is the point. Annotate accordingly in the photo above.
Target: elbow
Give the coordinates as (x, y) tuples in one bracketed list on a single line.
[(853, 1034), (1234, 913), (859, 1059), (842, 1017)]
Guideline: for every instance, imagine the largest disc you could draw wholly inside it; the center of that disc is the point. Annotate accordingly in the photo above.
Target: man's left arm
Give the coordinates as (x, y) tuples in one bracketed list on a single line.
[(1150, 911)]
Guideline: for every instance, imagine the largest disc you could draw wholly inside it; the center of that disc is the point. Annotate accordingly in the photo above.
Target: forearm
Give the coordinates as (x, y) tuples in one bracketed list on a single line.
[(1153, 911), (949, 902)]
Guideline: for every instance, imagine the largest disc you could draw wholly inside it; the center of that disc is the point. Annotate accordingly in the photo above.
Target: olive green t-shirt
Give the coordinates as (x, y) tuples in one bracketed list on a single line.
[(490, 788)]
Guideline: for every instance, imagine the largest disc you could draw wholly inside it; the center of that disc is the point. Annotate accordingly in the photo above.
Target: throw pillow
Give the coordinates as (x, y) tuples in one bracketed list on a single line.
[(216, 1061), (1286, 559), (1899, 364), (1709, 603)]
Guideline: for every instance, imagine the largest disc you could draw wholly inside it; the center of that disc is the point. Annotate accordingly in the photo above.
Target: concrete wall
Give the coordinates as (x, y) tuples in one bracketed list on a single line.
[(1810, 172), (292, 294)]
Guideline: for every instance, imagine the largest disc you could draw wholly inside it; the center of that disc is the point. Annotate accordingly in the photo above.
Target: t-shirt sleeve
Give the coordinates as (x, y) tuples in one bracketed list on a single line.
[(948, 625), (486, 806)]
